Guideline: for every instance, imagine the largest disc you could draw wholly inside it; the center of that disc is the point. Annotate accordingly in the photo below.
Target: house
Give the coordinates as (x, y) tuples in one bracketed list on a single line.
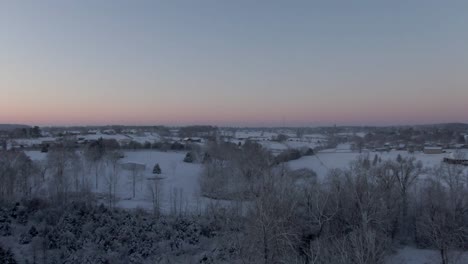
[(456, 161), (109, 132), (458, 146), (72, 132), (401, 146), (192, 140), (48, 142), (382, 149), (433, 150), (124, 141)]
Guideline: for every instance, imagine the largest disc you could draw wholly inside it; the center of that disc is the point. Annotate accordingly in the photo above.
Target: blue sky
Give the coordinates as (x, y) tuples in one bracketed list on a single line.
[(233, 62)]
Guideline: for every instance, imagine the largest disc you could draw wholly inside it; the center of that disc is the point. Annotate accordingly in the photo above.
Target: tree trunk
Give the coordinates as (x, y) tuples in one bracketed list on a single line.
[(265, 246), (443, 255)]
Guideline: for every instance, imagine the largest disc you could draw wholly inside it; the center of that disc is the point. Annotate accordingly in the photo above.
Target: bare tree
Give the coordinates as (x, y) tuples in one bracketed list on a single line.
[(61, 163), (136, 173), (17, 173), (155, 193), (407, 171), (94, 154), (444, 212), (112, 176)]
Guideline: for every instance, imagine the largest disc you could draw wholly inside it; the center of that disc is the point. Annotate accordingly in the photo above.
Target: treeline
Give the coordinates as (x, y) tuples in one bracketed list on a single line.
[(22, 132), (355, 215), (261, 211), (198, 131)]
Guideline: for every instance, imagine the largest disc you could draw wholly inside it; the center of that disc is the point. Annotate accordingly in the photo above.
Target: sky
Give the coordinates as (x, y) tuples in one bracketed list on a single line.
[(233, 63)]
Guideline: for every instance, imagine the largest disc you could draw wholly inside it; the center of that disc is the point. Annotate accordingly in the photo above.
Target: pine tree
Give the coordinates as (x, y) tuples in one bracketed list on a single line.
[(7, 257), (157, 169), (188, 157), (399, 159)]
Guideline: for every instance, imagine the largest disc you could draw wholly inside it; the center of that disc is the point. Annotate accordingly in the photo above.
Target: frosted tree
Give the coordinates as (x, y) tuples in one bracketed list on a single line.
[(407, 171), (94, 154), (155, 194), (61, 161), (442, 222), (112, 176)]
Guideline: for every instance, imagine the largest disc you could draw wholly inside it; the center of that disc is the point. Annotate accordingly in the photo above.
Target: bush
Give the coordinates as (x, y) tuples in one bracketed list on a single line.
[(7, 257), (288, 155), (188, 157), (177, 146)]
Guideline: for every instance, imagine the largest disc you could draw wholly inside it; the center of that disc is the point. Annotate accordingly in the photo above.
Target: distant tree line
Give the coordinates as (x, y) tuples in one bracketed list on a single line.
[(198, 131)]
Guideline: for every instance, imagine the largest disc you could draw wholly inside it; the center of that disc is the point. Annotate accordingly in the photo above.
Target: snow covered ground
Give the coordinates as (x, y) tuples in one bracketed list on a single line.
[(182, 178), (179, 184), (277, 147), (245, 134), (179, 180), (337, 159), (36, 155), (410, 255)]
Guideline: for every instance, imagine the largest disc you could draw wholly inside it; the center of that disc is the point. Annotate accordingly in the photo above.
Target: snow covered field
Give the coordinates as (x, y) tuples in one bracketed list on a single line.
[(179, 180), (179, 184), (336, 159), (410, 255)]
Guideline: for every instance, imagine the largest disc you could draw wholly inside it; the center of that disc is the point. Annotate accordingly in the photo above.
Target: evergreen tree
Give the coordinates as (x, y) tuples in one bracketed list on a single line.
[(157, 169), (399, 159), (7, 257), (188, 157)]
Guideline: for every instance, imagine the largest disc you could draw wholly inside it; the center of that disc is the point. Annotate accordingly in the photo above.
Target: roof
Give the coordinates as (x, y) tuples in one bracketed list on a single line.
[(433, 148)]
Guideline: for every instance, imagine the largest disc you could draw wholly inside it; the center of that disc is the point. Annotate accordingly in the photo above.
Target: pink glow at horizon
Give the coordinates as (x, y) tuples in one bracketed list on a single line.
[(233, 64), (178, 115)]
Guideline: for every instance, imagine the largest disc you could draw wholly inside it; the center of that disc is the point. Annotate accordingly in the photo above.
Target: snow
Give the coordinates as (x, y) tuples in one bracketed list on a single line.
[(179, 181), (32, 141), (410, 255), (315, 136), (244, 134), (277, 147), (146, 137), (335, 159), (117, 137), (177, 176), (36, 155)]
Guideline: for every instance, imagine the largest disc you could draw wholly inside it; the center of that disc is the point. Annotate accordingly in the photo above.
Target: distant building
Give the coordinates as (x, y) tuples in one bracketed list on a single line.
[(124, 141), (458, 146), (48, 143), (72, 132), (433, 150), (193, 140), (382, 149), (456, 161), (109, 132), (401, 146)]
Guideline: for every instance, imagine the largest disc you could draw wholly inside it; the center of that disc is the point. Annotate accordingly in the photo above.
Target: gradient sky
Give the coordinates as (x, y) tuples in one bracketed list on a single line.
[(233, 62)]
